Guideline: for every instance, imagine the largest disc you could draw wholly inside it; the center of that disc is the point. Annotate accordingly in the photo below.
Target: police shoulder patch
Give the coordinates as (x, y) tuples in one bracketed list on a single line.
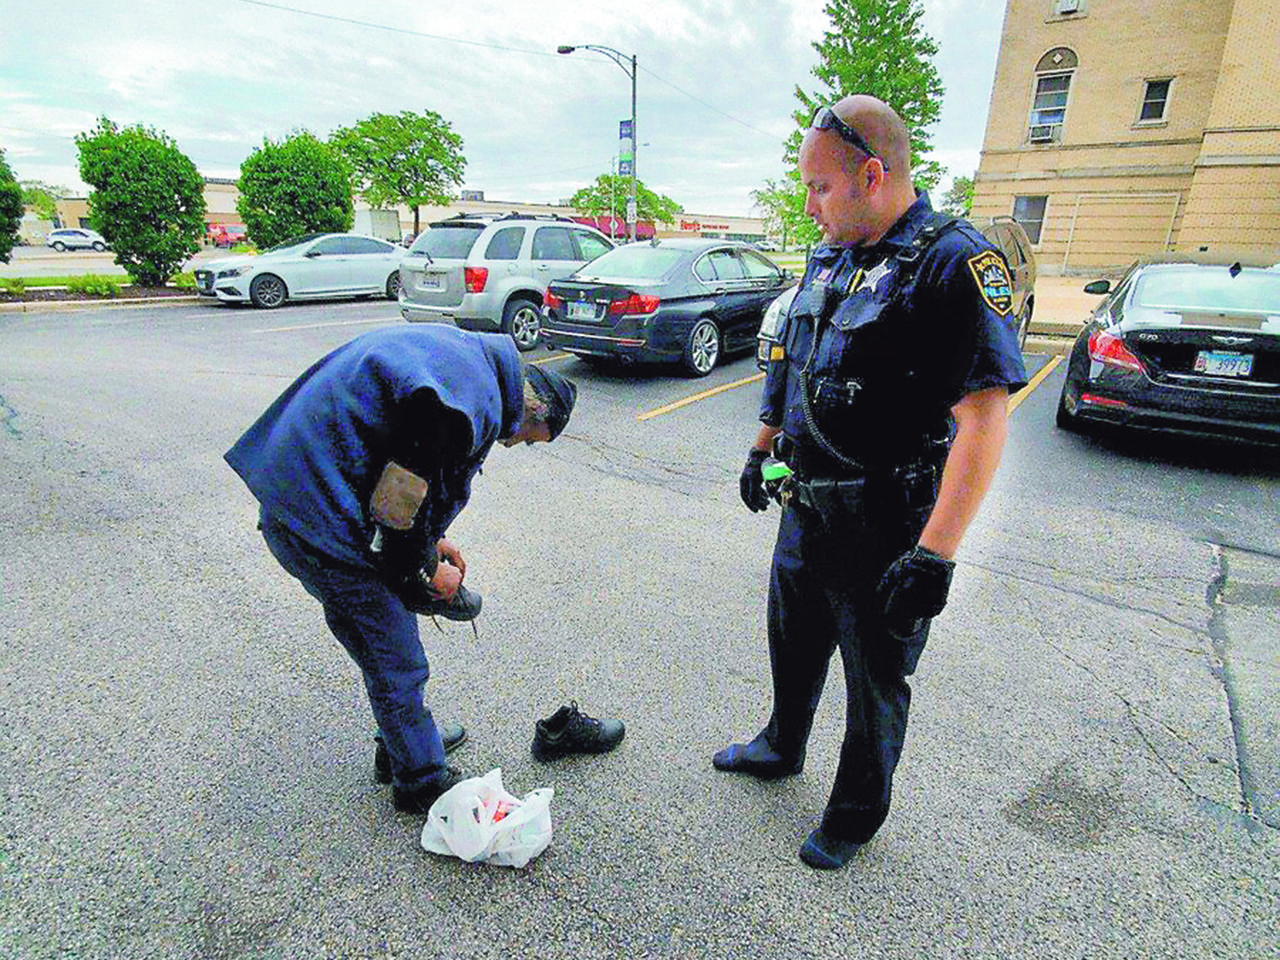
[(992, 278)]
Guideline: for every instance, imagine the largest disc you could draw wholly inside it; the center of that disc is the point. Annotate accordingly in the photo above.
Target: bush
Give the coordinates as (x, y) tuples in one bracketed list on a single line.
[(147, 199), (14, 285), (185, 280), (94, 285), (297, 186), (10, 209)]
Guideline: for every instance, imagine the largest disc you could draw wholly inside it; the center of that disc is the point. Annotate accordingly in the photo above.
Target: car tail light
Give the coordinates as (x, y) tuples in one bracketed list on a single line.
[(551, 300), (1107, 348), (635, 304), (475, 278)]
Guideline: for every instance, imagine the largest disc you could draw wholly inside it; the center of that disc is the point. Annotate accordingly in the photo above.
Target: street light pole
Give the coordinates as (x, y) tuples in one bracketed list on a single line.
[(628, 65)]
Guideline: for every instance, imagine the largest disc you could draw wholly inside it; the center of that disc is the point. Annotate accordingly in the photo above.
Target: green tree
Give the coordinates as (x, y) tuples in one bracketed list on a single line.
[(42, 197), (147, 199), (10, 209), (412, 159), (292, 187), (609, 194), (958, 200), (878, 47)]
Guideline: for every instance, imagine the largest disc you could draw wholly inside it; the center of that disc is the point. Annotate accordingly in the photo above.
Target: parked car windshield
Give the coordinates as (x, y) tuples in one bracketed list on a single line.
[(295, 242), (635, 262), (449, 243), (1209, 289)]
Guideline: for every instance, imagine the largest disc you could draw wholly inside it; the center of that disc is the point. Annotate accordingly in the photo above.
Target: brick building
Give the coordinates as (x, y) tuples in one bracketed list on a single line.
[(1122, 128)]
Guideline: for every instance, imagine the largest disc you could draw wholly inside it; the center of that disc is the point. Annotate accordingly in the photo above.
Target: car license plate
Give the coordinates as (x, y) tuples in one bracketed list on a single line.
[(431, 281), (1218, 363), (581, 310)]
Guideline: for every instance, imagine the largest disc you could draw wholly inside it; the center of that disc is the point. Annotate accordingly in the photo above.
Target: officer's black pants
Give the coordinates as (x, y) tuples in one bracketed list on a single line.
[(822, 596)]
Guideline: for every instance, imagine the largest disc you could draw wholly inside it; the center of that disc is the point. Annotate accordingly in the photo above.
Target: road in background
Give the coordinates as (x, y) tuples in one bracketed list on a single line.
[(187, 755)]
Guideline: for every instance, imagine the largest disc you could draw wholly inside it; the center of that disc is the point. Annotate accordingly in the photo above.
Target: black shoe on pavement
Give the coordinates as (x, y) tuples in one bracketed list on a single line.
[(453, 735), (419, 799), (465, 605), (568, 730)]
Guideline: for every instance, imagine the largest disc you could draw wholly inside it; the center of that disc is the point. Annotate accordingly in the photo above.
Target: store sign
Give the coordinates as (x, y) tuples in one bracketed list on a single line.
[(697, 226)]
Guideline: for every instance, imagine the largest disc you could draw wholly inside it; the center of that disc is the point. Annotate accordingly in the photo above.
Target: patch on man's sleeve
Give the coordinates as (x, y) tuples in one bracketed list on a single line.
[(992, 277), (776, 352)]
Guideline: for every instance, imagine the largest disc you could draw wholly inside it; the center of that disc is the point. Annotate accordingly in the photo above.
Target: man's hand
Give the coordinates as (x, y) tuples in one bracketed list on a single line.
[(914, 589), (449, 553), (751, 482), (446, 581)]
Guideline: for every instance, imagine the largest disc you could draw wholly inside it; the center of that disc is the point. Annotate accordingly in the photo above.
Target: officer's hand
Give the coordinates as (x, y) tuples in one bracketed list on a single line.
[(751, 483), (914, 589), (446, 581)]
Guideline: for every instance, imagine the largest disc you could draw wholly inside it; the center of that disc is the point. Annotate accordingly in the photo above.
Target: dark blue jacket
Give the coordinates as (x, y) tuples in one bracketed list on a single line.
[(314, 457)]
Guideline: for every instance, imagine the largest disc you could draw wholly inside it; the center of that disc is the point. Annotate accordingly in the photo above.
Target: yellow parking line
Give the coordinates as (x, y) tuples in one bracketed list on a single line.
[(316, 326), (558, 356), (699, 396), (1026, 391)]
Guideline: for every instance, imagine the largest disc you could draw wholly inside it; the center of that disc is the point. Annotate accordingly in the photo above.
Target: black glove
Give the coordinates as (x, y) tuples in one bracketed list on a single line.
[(914, 589), (751, 483)]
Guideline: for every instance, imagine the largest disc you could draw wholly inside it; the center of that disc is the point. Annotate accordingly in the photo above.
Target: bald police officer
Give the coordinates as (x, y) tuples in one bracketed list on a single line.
[(886, 396)]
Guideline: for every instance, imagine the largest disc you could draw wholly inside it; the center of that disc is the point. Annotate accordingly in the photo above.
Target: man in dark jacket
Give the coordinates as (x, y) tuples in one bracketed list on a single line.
[(360, 466)]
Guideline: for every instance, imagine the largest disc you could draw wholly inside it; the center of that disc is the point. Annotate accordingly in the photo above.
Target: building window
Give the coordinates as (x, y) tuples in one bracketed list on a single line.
[(1029, 211), (1049, 105), (1155, 98)]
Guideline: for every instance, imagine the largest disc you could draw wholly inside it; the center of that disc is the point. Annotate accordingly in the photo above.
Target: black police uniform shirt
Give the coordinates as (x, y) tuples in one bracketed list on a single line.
[(313, 458), (897, 346)]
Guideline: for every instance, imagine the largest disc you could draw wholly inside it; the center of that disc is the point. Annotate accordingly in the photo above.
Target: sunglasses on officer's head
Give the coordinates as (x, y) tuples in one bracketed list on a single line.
[(824, 118)]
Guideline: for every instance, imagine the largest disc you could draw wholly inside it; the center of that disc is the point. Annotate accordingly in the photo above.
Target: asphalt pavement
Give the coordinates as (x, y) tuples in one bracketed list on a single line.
[(187, 757)]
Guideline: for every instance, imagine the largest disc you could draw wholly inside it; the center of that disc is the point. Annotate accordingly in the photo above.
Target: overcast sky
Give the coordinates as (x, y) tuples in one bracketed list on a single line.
[(716, 83)]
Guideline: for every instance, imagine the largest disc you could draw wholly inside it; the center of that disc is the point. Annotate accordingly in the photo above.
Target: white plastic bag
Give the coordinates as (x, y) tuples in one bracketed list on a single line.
[(477, 820)]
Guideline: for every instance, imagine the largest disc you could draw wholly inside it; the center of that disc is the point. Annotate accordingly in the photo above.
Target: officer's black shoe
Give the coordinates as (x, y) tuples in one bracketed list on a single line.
[(757, 759), (464, 606), (419, 799), (568, 730), (453, 735), (824, 852)]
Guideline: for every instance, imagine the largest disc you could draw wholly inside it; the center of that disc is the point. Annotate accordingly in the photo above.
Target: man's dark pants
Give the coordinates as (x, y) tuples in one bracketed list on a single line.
[(381, 636), (822, 596)]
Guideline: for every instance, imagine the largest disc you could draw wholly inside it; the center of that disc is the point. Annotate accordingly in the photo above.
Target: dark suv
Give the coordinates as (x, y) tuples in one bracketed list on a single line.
[(486, 272)]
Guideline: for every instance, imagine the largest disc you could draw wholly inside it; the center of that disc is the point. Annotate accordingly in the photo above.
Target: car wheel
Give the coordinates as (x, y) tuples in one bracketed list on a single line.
[(393, 286), (268, 291), (702, 349), (1065, 419), (522, 322), (1024, 326), (59, 246), (99, 246)]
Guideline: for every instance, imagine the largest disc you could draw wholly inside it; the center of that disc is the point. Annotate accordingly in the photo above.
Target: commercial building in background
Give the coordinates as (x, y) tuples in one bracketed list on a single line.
[(1125, 128)]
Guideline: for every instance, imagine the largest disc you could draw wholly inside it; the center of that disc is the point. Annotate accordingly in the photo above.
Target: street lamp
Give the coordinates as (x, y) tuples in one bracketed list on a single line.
[(628, 65)]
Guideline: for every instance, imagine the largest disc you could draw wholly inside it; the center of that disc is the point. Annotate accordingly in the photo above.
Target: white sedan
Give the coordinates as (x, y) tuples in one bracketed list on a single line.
[(313, 266)]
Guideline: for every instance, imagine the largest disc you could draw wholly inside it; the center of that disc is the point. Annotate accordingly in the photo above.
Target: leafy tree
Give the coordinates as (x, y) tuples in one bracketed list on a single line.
[(43, 197), (958, 200), (411, 159), (296, 186), (10, 209), (878, 47), (147, 199), (609, 194)]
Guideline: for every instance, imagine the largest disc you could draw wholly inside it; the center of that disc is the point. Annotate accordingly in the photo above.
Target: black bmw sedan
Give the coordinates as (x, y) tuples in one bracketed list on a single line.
[(689, 301), (1180, 346)]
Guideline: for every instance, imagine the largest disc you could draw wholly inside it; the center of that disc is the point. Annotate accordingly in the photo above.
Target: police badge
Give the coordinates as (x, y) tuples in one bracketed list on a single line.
[(992, 277)]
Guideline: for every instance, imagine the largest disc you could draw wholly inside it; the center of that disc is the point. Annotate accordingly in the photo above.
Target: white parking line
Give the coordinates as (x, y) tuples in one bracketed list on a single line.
[(336, 323)]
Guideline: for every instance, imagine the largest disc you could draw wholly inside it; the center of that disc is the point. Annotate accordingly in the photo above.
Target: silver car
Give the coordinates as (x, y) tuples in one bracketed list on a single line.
[(482, 272)]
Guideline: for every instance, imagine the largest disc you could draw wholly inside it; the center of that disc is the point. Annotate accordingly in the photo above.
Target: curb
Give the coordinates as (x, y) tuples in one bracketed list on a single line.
[(33, 306)]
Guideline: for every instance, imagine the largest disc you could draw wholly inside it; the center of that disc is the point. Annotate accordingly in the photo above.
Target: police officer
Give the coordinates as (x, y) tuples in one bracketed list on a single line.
[(360, 466), (886, 396)]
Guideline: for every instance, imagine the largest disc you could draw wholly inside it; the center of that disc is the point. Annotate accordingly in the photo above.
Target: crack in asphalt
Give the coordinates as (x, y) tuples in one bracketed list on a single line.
[(1221, 670)]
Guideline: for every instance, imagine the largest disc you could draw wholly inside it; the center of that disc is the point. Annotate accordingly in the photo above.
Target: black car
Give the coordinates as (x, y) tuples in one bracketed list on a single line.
[(1180, 346), (682, 300)]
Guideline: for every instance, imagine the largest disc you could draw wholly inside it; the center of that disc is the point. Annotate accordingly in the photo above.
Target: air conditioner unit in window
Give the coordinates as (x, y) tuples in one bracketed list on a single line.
[(1042, 133), (1066, 6)]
